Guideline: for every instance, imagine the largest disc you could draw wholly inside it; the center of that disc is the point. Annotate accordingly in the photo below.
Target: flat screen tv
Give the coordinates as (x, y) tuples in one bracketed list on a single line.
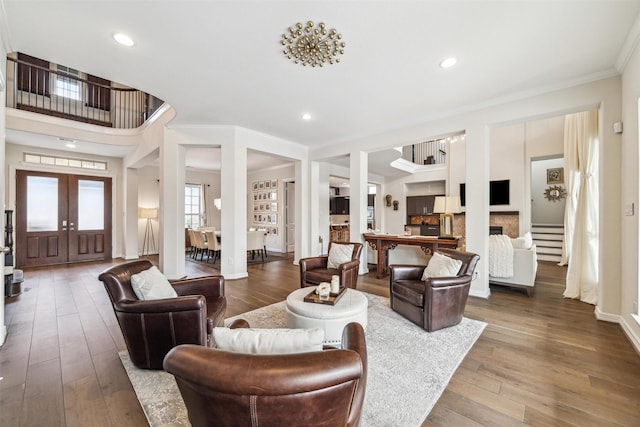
[(498, 193)]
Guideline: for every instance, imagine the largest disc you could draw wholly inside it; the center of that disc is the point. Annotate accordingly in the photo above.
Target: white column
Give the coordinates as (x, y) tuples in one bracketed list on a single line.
[(171, 235), (319, 215), (233, 183), (130, 220), (303, 197), (358, 173), (477, 202)]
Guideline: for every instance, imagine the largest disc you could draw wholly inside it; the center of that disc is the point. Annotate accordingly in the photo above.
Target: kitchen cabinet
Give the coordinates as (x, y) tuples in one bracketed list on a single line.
[(420, 205), (339, 205)]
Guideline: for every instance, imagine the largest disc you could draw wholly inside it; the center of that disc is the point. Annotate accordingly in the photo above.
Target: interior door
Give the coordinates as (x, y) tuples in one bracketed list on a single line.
[(290, 216), (61, 218)]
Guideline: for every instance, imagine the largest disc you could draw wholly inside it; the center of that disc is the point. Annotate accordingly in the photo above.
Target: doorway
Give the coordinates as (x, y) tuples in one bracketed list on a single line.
[(62, 218)]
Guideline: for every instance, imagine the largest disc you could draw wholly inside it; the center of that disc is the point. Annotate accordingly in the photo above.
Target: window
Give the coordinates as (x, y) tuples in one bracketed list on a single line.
[(67, 83), (192, 205)]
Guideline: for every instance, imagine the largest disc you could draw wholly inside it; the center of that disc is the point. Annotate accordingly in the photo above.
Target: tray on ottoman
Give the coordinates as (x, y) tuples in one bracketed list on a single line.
[(333, 298)]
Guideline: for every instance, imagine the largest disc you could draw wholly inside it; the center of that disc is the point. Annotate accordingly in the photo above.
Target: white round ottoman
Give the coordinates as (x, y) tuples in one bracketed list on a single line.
[(351, 307)]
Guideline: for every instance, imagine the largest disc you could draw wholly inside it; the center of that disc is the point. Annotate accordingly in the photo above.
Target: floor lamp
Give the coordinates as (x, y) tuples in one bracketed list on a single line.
[(446, 207), (149, 242)]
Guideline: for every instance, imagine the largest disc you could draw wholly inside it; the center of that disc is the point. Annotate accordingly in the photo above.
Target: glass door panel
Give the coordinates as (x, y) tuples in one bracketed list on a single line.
[(90, 205), (42, 203)]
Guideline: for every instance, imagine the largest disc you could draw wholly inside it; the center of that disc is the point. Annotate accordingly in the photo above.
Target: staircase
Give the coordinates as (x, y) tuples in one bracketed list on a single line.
[(548, 240)]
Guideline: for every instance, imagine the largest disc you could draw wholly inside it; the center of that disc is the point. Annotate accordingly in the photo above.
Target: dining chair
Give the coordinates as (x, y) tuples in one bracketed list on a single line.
[(213, 246), (256, 242), (200, 244)]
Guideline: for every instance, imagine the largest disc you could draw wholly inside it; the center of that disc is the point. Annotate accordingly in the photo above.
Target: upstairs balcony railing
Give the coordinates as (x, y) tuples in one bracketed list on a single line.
[(426, 153), (37, 86)]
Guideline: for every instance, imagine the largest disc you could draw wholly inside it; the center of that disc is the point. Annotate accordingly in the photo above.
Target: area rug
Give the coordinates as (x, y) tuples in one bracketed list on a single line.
[(408, 367)]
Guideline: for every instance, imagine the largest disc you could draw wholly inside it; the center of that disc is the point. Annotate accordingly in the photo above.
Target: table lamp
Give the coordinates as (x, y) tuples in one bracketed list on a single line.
[(446, 206)]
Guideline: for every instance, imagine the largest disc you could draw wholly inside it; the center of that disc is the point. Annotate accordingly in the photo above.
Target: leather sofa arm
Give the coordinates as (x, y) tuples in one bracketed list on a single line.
[(207, 286), (353, 338), (443, 282), (405, 272), (349, 266), (313, 262), (186, 303)]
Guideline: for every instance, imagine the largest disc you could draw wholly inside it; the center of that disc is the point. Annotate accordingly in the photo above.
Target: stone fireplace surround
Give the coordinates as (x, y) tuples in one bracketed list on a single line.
[(508, 220)]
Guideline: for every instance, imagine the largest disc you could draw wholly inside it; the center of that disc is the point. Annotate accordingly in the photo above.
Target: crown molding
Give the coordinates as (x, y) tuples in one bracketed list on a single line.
[(629, 46)]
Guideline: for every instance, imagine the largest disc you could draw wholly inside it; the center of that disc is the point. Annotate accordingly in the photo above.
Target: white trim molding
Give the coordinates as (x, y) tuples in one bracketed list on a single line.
[(606, 317), (480, 294), (628, 331)]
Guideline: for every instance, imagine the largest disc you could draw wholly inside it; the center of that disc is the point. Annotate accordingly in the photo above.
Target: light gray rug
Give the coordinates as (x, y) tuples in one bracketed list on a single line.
[(409, 368)]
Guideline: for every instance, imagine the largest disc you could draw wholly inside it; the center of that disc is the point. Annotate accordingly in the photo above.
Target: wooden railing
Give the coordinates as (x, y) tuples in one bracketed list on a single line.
[(66, 94)]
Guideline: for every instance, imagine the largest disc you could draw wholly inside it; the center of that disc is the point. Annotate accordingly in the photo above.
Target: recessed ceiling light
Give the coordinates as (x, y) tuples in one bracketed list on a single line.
[(306, 116), (123, 39), (449, 62), (70, 145)]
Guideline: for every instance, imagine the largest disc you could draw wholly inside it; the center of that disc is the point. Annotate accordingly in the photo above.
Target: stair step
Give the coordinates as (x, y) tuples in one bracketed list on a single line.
[(548, 251), (550, 230), (542, 257), (547, 236), (548, 243)]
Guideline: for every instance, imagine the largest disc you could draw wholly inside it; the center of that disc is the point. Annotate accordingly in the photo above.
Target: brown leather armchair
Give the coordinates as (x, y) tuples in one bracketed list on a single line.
[(307, 389), (314, 270), (151, 328), (437, 302)]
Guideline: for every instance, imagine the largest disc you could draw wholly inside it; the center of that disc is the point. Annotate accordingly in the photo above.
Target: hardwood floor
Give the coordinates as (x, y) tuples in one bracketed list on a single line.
[(542, 360)]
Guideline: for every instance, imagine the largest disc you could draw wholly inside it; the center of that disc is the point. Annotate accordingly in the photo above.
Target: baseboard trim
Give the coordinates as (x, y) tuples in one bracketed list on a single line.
[(628, 331), (480, 294), (229, 276), (3, 335), (607, 317)]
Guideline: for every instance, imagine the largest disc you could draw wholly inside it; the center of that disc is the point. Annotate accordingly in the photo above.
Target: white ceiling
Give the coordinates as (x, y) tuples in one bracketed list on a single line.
[(220, 62)]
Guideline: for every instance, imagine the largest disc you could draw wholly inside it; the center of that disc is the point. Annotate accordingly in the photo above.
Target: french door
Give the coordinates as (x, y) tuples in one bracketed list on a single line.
[(61, 218)]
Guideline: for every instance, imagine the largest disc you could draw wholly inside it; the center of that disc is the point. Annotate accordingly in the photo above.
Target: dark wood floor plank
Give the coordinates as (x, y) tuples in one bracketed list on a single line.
[(541, 361)]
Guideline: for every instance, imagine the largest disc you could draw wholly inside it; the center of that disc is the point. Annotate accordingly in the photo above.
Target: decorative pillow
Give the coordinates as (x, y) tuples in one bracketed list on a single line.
[(522, 242), (441, 266), (151, 284), (268, 341), (339, 254)]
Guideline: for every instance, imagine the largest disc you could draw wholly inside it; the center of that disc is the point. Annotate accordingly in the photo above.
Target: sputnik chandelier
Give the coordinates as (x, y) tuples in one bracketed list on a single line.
[(311, 45)]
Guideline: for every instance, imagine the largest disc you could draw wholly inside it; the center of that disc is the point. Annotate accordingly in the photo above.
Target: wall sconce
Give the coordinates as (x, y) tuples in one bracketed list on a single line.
[(388, 198), (395, 205)]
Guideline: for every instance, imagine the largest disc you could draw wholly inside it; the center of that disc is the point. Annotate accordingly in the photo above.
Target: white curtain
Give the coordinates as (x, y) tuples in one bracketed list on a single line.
[(204, 214), (580, 248)]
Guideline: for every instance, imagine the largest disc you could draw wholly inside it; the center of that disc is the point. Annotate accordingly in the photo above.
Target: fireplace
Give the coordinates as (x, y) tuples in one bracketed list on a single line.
[(495, 229)]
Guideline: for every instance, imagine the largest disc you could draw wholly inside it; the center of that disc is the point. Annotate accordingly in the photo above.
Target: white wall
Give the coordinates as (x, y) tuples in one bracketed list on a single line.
[(630, 163), (275, 242)]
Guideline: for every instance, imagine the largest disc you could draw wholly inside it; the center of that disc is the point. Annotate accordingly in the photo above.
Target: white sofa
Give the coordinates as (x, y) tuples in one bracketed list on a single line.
[(525, 266)]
